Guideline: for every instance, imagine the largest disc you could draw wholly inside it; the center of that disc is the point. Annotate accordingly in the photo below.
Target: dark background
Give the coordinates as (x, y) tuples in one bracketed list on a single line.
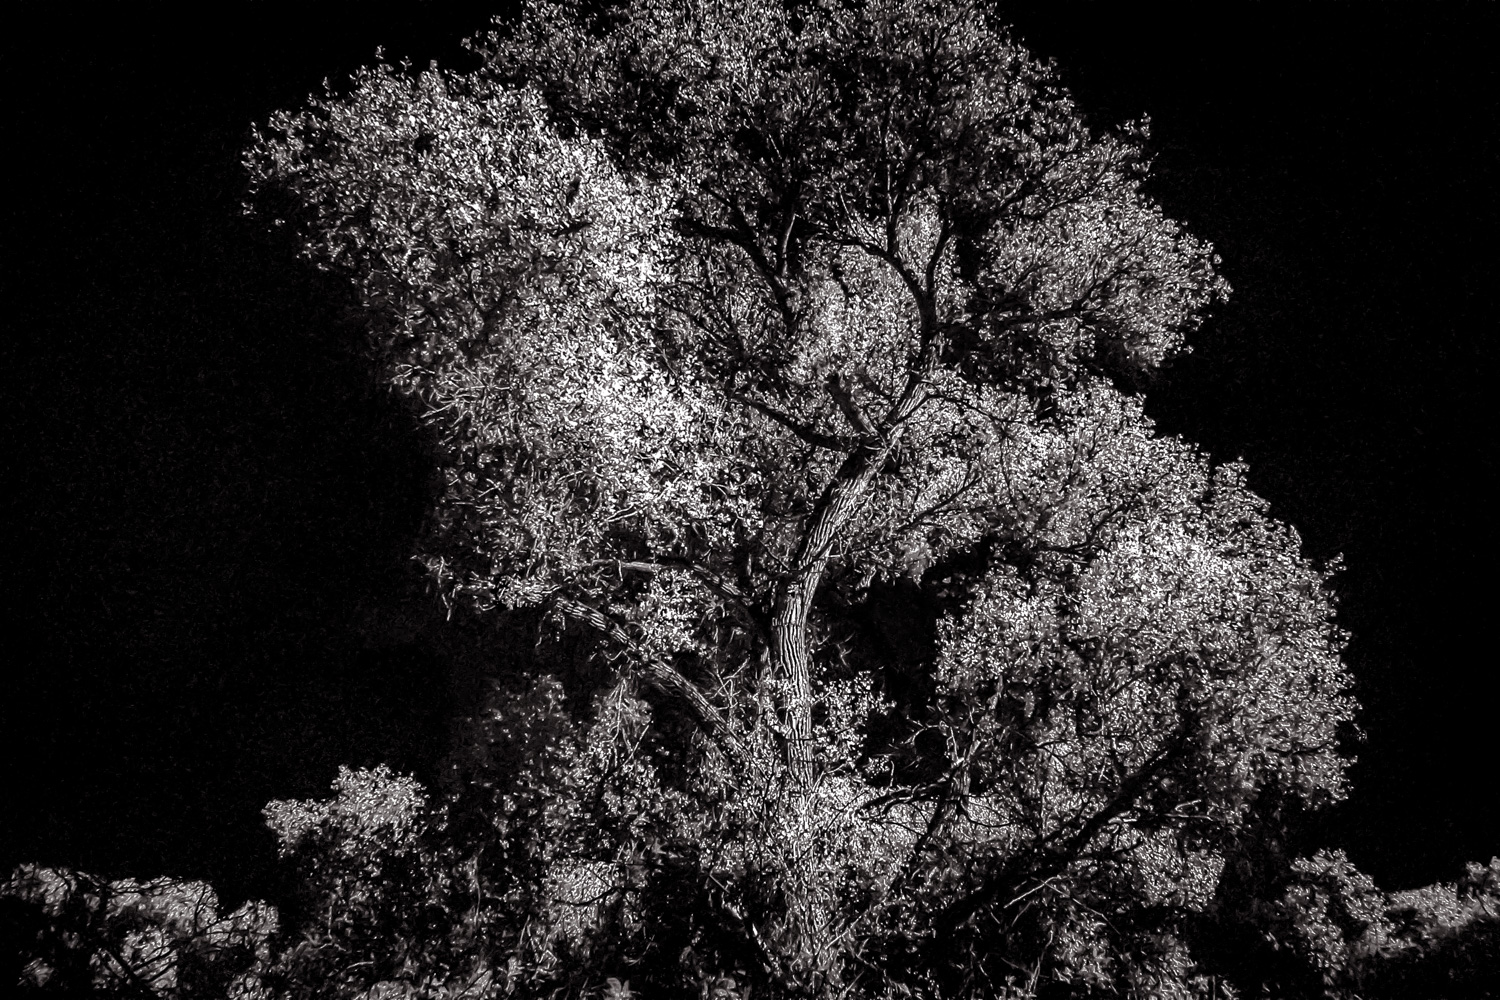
[(211, 502)]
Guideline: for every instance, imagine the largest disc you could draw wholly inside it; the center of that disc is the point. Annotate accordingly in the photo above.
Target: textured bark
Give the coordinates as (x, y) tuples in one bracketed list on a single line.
[(790, 659), (789, 653)]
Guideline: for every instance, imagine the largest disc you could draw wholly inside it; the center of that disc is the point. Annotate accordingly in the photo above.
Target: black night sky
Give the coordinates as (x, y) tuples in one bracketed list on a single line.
[(212, 501)]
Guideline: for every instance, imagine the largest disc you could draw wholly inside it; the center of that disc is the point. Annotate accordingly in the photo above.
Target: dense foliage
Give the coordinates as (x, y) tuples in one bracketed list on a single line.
[(384, 909), (732, 321)]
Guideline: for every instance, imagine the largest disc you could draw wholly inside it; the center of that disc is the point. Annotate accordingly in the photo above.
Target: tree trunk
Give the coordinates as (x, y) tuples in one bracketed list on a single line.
[(789, 654)]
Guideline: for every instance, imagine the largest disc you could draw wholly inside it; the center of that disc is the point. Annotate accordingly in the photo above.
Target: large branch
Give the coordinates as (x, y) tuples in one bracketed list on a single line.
[(659, 675), (811, 435), (789, 635), (1058, 850)]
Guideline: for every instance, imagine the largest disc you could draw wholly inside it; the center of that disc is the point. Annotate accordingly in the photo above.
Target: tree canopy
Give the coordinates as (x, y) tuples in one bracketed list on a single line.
[(729, 320)]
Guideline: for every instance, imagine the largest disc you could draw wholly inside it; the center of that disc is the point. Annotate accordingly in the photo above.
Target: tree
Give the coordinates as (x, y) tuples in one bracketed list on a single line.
[(731, 320)]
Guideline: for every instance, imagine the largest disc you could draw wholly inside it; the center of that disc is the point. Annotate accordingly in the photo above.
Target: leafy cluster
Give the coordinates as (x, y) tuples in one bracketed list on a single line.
[(379, 893), (78, 934)]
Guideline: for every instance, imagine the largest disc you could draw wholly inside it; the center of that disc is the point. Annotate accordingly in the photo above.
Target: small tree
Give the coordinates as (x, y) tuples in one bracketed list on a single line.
[(729, 319)]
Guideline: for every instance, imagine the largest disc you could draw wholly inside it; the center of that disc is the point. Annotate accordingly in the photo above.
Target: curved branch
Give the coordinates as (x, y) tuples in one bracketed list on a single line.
[(659, 675)]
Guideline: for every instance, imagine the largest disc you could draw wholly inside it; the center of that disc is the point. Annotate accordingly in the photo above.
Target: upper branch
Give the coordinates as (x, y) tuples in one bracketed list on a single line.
[(742, 235), (844, 397)]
